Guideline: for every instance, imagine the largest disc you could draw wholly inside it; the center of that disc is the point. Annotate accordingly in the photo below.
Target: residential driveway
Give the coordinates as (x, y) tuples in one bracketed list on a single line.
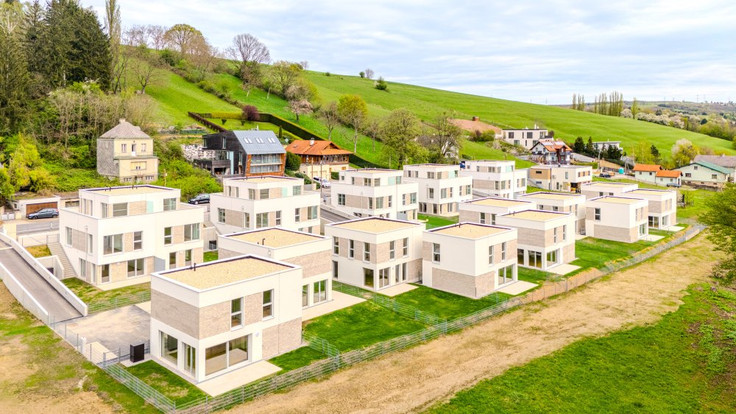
[(114, 329), (36, 226)]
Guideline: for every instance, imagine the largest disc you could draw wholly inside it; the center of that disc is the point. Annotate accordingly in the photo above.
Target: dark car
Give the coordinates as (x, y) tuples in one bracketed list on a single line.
[(605, 175), (200, 199), (44, 213)]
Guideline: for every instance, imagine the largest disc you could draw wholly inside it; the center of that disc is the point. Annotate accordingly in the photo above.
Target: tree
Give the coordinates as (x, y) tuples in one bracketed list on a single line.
[(635, 108), (373, 129), (655, 152), (447, 135), (251, 77), (293, 161), (353, 111), (247, 49), (369, 73), (114, 31), (14, 83), (26, 169), (720, 216), (579, 145), (250, 113), (283, 74), (156, 36), (361, 74), (329, 116), (300, 107), (143, 68), (398, 134), (6, 188), (381, 84), (683, 152), (136, 36), (613, 153), (590, 148), (181, 37)]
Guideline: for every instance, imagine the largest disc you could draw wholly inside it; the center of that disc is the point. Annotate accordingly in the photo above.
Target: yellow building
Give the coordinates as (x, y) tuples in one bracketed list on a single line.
[(126, 153)]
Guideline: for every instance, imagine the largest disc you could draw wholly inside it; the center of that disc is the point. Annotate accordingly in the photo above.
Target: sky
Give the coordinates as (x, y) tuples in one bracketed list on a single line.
[(530, 51)]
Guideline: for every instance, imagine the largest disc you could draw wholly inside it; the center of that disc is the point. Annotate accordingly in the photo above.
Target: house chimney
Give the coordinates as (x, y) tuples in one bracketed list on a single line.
[(311, 142)]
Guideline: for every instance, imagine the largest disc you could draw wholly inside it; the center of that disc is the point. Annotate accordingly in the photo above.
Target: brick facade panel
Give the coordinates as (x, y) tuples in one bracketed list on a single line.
[(313, 264), (175, 313)]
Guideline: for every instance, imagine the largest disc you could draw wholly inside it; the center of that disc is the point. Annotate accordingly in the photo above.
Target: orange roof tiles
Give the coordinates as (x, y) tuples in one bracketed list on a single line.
[(669, 174), (316, 147), (647, 167)]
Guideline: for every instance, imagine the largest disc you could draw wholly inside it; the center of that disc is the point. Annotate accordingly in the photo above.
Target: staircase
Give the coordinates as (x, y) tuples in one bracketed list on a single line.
[(58, 251)]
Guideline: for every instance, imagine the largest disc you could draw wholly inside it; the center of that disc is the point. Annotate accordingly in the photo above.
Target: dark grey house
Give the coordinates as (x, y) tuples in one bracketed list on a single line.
[(245, 153)]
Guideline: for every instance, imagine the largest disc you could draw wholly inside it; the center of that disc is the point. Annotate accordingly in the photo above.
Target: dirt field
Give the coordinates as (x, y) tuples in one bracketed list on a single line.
[(413, 380), (27, 385), (472, 126)]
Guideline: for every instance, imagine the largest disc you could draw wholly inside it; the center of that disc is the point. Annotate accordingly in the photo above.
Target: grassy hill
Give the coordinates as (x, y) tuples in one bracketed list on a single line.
[(176, 96)]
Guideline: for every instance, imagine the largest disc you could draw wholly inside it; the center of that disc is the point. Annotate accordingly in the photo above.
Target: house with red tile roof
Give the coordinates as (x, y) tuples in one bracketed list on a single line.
[(647, 172), (320, 158), (669, 178), (551, 151)]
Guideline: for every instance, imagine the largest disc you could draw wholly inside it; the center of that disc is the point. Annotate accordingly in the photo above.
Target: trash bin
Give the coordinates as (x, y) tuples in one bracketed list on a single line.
[(137, 352)]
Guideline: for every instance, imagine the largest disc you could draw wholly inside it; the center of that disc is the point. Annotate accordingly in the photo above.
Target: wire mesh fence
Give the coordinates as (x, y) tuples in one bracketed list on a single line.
[(405, 310), (335, 359), (120, 301)]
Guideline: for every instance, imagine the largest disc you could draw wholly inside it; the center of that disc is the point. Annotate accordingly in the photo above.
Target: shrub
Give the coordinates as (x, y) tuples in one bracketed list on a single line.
[(381, 84), (293, 161), (335, 176), (250, 113), (327, 73), (362, 74)]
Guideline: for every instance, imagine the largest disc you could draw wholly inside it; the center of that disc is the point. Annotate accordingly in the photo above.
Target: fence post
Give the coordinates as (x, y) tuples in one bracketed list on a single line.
[(104, 358)]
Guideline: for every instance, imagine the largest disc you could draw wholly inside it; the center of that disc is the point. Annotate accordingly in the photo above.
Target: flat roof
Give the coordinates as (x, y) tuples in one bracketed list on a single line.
[(649, 191), (220, 273), (607, 184), (498, 202), (552, 196), (129, 190), (374, 171), (263, 179), (470, 230), (536, 215), (618, 200), (375, 225), (274, 237)]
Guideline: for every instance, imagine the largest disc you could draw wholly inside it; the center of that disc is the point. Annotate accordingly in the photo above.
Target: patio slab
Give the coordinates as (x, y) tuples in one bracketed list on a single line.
[(563, 269), (124, 283), (238, 378), (580, 236), (518, 287), (114, 329), (145, 307), (397, 289), (652, 237), (339, 301), (674, 229)]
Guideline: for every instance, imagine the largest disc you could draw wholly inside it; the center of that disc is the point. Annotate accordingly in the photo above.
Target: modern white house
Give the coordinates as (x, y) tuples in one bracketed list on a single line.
[(607, 188), (311, 252), (564, 202), (705, 174), (218, 317), (662, 208), (568, 178), (485, 210), (119, 235), (618, 218), (524, 137), (488, 262), (441, 187), (602, 146), (264, 201), (495, 178), (545, 238), (376, 253), (375, 192)]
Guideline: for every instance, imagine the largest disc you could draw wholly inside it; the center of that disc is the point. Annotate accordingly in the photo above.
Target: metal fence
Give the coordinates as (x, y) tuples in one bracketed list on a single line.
[(336, 360), (120, 301), (27, 240)]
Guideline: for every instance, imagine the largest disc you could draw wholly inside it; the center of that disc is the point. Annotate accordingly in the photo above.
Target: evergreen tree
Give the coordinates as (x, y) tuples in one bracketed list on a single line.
[(579, 145), (589, 148), (14, 81), (655, 152)]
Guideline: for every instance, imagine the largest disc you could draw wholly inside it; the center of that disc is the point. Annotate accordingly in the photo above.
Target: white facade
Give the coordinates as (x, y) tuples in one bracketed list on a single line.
[(646, 176), (560, 177), (375, 193), (524, 137), (198, 331), (496, 178), (310, 251), (469, 259), (441, 187), (662, 208), (564, 202), (485, 210), (546, 239), (607, 188), (376, 253), (705, 174), (257, 202), (617, 218), (123, 234)]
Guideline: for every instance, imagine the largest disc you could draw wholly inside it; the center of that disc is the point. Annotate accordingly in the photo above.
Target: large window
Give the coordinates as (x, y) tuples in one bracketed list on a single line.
[(263, 195), (297, 190), (188, 257), (405, 249), (436, 252), (506, 275), (368, 278), (320, 291), (551, 257), (335, 245), (305, 296), (236, 313), (191, 232), (137, 240), (341, 199), (215, 358), (383, 277), (490, 254), (169, 348), (135, 267), (268, 304), (278, 218), (220, 215), (113, 244), (367, 252), (190, 359), (261, 220), (119, 209), (392, 249), (297, 214), (167, 235), (105, 273), (597, 213), (172, 260), (169, 204), (351, 249), (312, 212), (535, 259), (520, 256), (69, 236)]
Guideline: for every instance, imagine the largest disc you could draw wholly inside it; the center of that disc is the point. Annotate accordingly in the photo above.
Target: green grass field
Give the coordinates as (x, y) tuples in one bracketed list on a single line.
[(593, 253), (447, 305), (92, 295), (39, 251), (210, 256), (166, 382), (434, 221), (683, 364)]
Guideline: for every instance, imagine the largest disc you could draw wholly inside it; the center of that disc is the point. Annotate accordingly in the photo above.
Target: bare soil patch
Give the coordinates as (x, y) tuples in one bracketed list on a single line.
[(472, 126), (412, 380)]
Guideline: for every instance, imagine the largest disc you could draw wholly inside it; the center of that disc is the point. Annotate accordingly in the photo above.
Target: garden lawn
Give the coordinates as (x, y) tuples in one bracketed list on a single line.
[(533, 275), (92, 295), (39, 251), (434, 221), (351, 328), (482, 151), (683, 364), (699, 198), (447, 305), (166, 382), (593, 253), (210, 256)]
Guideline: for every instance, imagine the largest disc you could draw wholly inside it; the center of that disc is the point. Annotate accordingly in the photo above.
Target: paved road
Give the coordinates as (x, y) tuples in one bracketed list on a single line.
[(332, 217), (41, 290), (37, 226)]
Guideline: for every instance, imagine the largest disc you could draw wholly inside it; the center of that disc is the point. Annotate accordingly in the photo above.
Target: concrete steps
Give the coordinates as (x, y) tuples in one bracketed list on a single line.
[(58, 251)]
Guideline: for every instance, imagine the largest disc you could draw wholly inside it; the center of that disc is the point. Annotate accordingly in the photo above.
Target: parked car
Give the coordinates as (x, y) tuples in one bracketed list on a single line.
[(200, 199), (674, 185), (43, 213), (322, 181), (605, 175)]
